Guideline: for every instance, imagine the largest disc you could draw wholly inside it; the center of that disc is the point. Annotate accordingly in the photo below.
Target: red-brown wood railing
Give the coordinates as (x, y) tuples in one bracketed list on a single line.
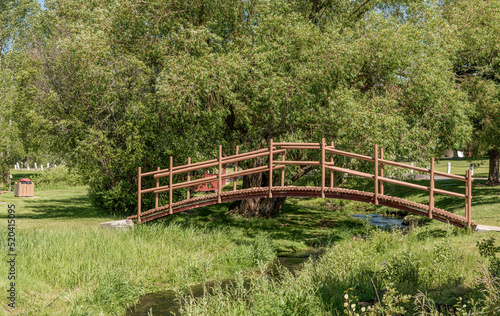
[(280, 149)]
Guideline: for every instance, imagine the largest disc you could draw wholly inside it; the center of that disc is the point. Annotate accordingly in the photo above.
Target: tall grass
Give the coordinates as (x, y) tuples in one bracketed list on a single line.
[(104, 270), (388, 273)]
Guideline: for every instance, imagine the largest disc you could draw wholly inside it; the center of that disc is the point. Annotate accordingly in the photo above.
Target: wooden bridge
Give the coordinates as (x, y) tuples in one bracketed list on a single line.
[(278, 150)]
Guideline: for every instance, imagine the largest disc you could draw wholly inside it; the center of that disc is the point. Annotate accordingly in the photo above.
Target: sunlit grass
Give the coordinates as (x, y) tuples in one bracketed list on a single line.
[(61, 250)]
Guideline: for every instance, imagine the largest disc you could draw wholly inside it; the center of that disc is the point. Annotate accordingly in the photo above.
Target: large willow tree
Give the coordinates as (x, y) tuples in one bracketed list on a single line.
[(122, 84)]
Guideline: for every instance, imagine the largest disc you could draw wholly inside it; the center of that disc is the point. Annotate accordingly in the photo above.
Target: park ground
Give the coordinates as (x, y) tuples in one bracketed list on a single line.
[(67, 265)]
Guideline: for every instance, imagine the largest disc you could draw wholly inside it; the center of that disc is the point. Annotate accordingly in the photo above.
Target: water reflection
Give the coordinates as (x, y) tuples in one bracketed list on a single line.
[(384, 222)]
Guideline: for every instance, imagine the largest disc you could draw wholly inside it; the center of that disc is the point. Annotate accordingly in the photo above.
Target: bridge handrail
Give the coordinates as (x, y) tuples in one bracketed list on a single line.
[(280, 148)]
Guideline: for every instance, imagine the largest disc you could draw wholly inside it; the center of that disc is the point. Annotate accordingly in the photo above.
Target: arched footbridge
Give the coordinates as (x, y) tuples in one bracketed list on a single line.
[(276, 158)]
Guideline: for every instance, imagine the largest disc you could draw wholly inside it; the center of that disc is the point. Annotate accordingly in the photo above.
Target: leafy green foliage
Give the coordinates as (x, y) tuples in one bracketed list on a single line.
[(488, 250), (111, 86), (60, 176), (477, 71)]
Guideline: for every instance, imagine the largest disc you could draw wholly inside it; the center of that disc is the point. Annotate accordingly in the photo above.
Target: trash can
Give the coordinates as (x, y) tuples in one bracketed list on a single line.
[(24, 189)]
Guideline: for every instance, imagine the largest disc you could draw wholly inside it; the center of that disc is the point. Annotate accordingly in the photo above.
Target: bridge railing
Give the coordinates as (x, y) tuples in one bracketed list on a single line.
[(281, 149)]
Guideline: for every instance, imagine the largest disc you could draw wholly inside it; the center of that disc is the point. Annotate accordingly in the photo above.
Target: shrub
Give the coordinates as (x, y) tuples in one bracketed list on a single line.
[(58, 177), (488, 250)]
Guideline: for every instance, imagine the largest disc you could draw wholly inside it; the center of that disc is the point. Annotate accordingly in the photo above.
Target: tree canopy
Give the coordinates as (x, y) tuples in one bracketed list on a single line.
[(477, 69), (113, 85)]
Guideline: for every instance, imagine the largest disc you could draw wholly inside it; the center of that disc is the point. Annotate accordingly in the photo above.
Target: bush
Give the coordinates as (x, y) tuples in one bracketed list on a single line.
[(488, 250), (58, 177)]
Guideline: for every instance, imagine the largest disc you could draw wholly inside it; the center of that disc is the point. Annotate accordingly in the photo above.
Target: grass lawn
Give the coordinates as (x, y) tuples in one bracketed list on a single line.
[(460, 166)]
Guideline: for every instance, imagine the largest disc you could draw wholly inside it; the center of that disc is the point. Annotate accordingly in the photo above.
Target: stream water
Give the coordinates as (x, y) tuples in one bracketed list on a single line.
[(384, 222), (166, 303)]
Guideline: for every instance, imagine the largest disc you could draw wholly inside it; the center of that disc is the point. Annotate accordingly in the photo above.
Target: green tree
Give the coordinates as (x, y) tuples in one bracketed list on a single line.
[(477, 69), (16, 18), (116, 85), (358, 76)]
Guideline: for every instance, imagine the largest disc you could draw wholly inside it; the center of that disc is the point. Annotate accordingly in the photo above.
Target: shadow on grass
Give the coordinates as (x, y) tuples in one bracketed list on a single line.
[(310, 226), (69, 208)]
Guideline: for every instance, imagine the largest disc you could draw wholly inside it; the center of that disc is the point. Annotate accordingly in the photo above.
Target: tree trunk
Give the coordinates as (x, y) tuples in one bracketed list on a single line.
[(262, 207), (257, 207), (493, 175)]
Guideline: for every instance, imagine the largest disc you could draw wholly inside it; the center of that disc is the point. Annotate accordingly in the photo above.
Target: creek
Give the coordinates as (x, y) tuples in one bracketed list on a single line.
[(383, 222), (166, 302)]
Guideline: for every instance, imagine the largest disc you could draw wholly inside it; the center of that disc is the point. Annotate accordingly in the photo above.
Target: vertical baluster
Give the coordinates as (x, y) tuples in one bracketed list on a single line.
[(271, 167), (376, 174), (219, 176), (470, 199), (235, 169), (283, 169), (188, 192), (157, 186), (323, 174), (467, 196), (381, 172), (332, 175), (139, 196), (431, 197), (170, 191)]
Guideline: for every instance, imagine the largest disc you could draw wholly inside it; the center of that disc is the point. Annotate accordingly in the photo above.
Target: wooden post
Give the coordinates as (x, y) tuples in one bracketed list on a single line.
[(468, 208), (467, 196), (139, 196), (157, 185), (271, 168), (323, 175), (188, 193), (431, 195), (470, 199), (283, 170), (376, 174), (381, 172), (332, 175), (170, 193), (219, 176), (235, 169)]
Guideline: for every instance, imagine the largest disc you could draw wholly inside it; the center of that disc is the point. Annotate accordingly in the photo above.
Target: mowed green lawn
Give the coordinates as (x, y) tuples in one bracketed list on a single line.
[(460, 166)]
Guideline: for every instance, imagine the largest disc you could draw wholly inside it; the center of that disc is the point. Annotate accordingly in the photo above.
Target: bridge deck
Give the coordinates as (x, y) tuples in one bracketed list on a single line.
[(285, 191)]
